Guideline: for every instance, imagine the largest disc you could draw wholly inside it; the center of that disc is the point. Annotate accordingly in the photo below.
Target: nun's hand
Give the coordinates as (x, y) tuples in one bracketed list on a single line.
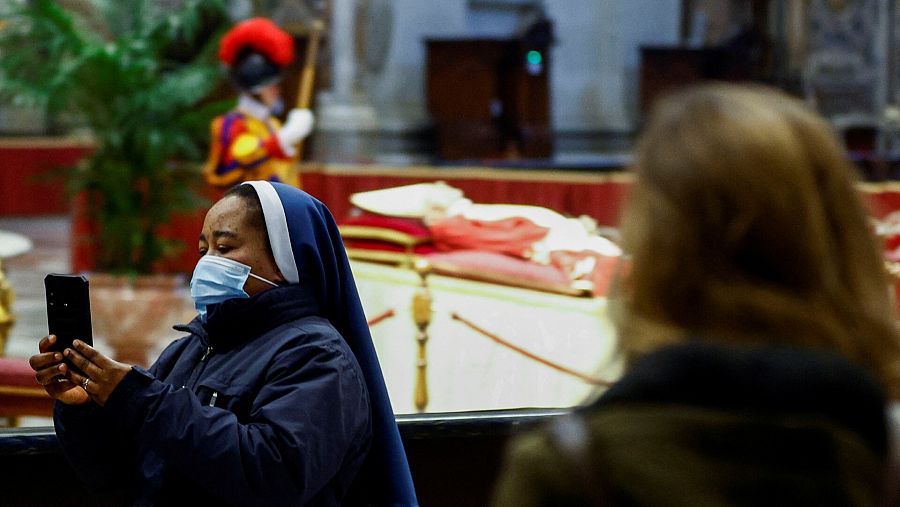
[(49, 371), (102, 374)]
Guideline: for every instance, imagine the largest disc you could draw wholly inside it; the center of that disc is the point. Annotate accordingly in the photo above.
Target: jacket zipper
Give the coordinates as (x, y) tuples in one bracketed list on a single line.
[(195, 377)]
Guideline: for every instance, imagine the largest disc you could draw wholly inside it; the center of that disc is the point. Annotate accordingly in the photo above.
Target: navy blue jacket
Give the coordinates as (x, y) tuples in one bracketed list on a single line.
[(264, 404)]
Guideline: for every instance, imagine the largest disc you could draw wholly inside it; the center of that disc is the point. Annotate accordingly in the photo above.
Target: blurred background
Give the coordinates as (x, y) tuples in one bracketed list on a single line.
[(402, 81), (514, 102)]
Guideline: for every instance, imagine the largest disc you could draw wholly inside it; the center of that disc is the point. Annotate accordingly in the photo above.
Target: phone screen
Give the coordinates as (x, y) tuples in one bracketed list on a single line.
[(68, 309)]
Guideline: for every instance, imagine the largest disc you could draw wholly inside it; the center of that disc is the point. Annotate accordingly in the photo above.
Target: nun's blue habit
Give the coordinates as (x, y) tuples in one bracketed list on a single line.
[(262, 403), (305, 241)]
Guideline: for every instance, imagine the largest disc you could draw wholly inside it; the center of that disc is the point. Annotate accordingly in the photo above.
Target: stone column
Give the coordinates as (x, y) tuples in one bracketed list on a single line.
[(344, 107), (343, 59)]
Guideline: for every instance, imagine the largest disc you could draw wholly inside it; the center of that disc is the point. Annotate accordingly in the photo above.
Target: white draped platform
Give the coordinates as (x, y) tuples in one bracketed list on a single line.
[(468, 371)]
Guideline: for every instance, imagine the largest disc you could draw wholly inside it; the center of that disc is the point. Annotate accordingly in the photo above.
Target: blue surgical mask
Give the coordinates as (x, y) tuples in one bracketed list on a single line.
[(217, 279), (277, 107)]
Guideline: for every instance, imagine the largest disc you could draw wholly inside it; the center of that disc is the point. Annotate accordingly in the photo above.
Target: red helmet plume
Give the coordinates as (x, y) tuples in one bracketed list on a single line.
[(262, 36)]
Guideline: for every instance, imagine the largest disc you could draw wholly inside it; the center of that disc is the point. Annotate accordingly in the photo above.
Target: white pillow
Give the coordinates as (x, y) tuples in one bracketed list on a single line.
[(408, 201)]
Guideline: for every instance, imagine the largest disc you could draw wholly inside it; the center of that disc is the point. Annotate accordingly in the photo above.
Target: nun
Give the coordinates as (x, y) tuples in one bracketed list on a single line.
[(274, 396)]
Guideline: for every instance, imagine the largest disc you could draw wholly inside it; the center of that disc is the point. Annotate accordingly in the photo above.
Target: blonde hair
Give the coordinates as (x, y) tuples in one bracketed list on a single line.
[(744, 226)]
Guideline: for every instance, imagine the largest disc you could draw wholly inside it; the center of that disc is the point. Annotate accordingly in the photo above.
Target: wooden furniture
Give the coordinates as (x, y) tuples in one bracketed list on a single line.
[(489, 98), (668, 68)]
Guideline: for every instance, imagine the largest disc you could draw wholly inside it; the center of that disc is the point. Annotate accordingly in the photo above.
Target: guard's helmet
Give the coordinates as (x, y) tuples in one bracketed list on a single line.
[(255, 52)]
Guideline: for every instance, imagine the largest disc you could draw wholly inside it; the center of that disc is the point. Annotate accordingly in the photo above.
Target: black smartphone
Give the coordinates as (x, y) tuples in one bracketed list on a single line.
[(68, 309)]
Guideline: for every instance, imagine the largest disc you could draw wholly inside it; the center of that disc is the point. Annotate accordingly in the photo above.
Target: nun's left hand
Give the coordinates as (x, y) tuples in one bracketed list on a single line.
[(102, 373)]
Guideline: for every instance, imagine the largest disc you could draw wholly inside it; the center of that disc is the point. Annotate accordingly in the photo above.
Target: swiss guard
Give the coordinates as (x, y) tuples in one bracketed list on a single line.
[(249, 143)]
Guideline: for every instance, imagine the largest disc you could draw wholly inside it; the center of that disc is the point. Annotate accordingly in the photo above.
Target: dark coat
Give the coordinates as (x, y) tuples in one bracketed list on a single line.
[(264, 404), (713, 426)]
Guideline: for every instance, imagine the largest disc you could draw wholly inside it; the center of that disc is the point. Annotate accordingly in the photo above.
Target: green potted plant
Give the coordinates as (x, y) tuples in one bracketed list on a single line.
[(137, 75)]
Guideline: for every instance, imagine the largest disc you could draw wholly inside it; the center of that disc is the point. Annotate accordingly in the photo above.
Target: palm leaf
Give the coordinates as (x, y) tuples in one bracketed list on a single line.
[(138, 76)]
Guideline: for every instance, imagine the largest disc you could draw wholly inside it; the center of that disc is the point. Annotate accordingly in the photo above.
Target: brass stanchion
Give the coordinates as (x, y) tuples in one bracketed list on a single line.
[(893, 271), (7, 319), (421, 310)]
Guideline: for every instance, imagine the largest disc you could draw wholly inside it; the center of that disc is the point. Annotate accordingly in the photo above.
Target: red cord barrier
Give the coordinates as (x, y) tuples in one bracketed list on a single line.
[(531, 355), (380, 317)]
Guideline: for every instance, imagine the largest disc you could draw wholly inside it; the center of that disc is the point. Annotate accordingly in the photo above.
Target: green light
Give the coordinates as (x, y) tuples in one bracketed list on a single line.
[(534, 57)]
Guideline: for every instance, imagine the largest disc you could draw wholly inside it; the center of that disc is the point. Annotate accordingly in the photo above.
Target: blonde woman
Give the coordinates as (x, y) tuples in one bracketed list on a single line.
[(755, 318)]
